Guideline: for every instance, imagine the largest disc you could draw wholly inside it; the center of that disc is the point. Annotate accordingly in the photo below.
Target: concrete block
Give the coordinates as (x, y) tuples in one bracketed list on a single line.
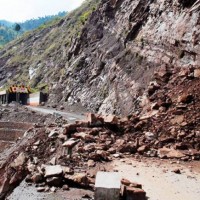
[(107, 186)]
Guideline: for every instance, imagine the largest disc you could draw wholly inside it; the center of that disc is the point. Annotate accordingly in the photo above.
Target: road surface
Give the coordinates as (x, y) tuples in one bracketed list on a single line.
[(71, 117)]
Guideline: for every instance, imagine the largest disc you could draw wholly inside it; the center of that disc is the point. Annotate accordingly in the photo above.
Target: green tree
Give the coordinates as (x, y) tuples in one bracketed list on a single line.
[(17, 27)]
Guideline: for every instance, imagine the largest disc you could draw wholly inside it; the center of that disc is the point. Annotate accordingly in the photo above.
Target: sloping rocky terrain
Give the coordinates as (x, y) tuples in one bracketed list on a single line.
[(138, 59), (107, 61)]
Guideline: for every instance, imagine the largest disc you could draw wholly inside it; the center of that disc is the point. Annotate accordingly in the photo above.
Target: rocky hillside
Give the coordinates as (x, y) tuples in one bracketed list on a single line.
[(104, 56)]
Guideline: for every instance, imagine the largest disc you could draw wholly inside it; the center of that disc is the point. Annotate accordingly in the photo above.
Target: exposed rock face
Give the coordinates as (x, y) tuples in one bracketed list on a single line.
[(122, 44), (110, 65)]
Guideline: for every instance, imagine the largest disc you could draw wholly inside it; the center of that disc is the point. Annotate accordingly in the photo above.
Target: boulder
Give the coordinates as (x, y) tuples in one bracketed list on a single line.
[(170, 153), (53, 161), (131, 193), (37, 178), (197, 73), (70, 143), (126, 182), (94, 120), (111, 119), (53, 171), (19, 161), (69, 128), (142, 149), (78, 178)]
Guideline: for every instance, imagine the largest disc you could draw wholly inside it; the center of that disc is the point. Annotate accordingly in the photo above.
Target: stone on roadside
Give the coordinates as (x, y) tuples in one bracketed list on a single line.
[(176, 171), (126, 182), (53, 189), (40, 189), (170, 153), (65, 187), (131, 193)]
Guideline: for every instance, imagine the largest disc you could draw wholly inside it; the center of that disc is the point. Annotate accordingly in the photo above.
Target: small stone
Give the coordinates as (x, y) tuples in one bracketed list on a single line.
[(40, 189), (53, 134), (65, 187), (177, 171), (91, 163), (53, 161), (53, 189), (70, 143)]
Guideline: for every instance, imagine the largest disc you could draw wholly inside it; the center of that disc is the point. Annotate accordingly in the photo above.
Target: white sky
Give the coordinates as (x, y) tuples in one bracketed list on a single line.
[(21, 10)]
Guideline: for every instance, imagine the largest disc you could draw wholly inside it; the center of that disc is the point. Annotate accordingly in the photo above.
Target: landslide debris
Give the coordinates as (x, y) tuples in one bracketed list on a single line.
[(166, 126)]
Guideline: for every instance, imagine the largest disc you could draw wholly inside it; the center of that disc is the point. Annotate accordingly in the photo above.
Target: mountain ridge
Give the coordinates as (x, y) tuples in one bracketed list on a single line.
[(8, 32)]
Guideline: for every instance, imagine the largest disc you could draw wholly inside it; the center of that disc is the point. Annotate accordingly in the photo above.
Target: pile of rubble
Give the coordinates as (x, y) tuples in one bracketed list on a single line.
[(167, 126)]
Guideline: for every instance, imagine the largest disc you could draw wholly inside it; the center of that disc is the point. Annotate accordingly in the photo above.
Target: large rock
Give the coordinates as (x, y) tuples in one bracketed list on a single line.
[(19, 161), (132, 193), (112, 119), (78, 178), (51, 171), (37, 178), (170, 153)]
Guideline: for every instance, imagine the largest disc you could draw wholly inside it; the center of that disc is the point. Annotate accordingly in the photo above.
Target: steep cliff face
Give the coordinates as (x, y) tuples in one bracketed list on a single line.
[(122, 44), (108, 67)]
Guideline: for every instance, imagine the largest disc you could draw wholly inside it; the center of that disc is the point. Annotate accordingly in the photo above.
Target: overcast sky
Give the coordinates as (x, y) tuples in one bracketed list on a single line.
[(21, 10)]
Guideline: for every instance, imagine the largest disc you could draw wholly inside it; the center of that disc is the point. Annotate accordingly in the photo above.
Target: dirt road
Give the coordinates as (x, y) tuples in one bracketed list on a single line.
[(158, 180), (71, 117)]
